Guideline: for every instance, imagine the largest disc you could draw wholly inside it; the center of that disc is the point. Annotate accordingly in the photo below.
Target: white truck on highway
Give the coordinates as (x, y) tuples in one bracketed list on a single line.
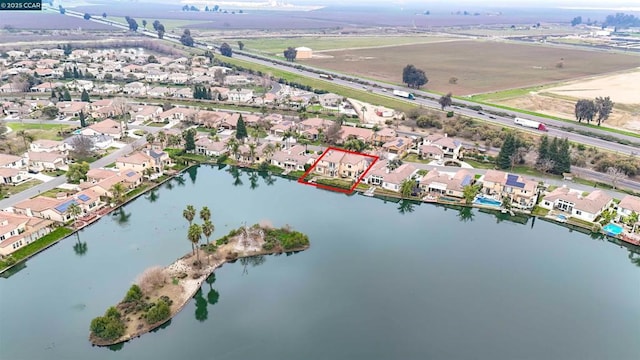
[(530, 124), (404, 94)]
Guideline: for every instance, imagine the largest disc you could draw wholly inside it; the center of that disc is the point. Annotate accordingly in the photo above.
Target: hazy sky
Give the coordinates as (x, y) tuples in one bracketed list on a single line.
[(479, 3)]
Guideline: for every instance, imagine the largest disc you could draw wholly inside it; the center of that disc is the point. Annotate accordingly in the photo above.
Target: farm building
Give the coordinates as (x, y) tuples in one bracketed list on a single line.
[(303, 53)]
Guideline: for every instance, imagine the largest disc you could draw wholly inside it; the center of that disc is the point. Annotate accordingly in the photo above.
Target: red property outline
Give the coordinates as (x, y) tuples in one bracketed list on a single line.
[(333, 188)]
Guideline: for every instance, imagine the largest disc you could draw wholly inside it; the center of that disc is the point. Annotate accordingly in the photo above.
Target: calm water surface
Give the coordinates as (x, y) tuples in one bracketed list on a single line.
[(380, 281)]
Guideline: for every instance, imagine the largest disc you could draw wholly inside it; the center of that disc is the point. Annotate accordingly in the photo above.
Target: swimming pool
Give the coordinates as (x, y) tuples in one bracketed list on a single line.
[(561, 218), (481, 200), (612, 229)]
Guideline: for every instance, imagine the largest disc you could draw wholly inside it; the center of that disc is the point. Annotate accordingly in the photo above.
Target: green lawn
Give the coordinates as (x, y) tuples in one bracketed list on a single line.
[(22, 187), (480, 165), (41, 131), (36, 246), (53, 192), (277, 45), (415, 159)]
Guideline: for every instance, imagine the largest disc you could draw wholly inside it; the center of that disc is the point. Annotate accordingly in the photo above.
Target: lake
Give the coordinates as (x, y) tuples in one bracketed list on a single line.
[(382, 280)]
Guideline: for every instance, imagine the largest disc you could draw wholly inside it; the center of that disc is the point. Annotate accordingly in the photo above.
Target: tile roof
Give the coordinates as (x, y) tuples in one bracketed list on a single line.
[(630, 202)]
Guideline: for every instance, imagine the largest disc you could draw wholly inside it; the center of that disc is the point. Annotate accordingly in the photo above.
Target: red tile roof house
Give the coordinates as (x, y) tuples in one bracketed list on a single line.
[(522, 192), (431, 152), (310, 128), (340, 164), (177, 113), (46, 160), (384, 135), (72, 108), (57, 209), (43, 145), (450, 147), (350, 132), (130, 179), (380, 175), (208, 147), (12, 176), (446, 183), (398, 147), (280, 129), (17, 231), (105, 127), (209, 119), (628, 205), (97, 175), (13, 162), (586, 208), (294, 158)]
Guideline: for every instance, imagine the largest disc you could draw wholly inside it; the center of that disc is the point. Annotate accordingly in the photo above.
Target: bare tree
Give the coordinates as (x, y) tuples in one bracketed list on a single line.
[(82, 147), (151, 279), (546, 165), (615, 175)]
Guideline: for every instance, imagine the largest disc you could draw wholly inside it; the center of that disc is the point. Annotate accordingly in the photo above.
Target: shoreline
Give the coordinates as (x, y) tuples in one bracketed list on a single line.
[(191, 278)]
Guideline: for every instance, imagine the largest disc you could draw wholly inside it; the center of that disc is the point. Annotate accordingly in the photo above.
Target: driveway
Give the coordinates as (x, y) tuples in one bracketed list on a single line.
[(41, 177)]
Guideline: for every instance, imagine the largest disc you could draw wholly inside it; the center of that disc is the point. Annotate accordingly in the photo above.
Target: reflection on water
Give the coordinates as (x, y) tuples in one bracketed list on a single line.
[(80, 248)]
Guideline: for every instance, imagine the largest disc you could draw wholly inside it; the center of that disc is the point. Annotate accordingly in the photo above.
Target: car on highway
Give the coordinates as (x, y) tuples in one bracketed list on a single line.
[(383, 90), (492, 117)]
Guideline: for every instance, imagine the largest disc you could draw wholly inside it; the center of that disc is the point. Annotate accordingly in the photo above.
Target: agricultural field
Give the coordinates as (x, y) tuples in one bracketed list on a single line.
[(276, 45), (559, 100), (479, 66), (169, 24), (31, 20)]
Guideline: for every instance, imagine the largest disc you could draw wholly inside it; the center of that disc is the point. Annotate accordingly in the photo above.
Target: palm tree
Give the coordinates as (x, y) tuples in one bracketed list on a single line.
[(205, 214), (233, 146), (364, 110), (252, 151), (162, 138), (117, 192), (189, 213), (269, 150), (194, 235), (207, 229), (74, 210), (406, 188)]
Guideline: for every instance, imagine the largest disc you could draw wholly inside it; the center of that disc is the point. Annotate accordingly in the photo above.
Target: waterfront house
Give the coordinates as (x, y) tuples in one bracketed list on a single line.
[(57, 209), (129, 179), (137, 161), (628, 205), (586, 208), (381, 175), (208, 147), (341, 164), (17, 231), (294, 158), (521, 192), (96, 175), (444, 183)]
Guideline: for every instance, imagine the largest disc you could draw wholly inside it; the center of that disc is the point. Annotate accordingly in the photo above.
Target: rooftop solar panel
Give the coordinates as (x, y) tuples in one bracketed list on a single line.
[(64, 206), (83, 197), (512, 180)]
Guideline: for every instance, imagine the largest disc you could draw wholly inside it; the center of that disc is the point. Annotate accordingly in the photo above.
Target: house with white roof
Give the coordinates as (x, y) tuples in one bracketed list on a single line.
[(586, 208)]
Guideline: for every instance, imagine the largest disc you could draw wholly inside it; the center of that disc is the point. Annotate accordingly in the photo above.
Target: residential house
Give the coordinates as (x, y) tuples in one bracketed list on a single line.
[(351, 132), (130, 179), (628, 205), (311, 128), (177, 113), (46, 87), (137, 161), (208, 147), (397, 147), (230, 121), (160, 160), (236, 80), (183, 93), (135, 88), (101, 103), (43, 145), (384, 135), (444, 183), (146, 113), (223, 93), (13, 162), (72, 108), (585, 208), (336, 163), (282, 128), (294, 158), (105, 127), (108, 89), (98, 142), (330, 100), (40, 161), (57, 209), (17, 231), (431, 152), (381, 175), (240, 95), (96, 175), (178, 78), (499, 184), (160, 91), (10, 176), (450, 147), (156, 76)]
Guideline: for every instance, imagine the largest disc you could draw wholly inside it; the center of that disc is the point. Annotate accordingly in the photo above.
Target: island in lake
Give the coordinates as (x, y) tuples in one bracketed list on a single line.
[(160, 293)]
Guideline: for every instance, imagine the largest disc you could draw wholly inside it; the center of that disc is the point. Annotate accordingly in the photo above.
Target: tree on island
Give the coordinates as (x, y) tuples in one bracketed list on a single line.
[(207, 229), (290, 54), (195, 235), (414, 77), (205, 213), (226, 50), (189, 213), (241, 129), (445, 101)]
